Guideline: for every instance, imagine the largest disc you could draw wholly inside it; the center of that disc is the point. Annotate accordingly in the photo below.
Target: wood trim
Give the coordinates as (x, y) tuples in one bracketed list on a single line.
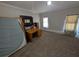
[(22, 26), (21, 23)]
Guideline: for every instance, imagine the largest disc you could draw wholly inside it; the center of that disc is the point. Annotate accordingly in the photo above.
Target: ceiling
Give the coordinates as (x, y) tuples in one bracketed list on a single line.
[(41, 6)]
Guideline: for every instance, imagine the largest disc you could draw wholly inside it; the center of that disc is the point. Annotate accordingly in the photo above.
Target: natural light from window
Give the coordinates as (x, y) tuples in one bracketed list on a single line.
[(45, 22)]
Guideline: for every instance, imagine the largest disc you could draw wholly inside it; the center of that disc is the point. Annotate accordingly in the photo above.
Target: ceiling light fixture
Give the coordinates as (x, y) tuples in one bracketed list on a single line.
[(49, 3)]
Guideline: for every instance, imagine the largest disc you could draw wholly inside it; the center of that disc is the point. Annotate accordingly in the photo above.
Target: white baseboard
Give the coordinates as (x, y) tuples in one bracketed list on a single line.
[(60, 32)]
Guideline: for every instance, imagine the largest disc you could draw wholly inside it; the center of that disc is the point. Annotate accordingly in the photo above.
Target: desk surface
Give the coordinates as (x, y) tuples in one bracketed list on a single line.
[(33, 30)]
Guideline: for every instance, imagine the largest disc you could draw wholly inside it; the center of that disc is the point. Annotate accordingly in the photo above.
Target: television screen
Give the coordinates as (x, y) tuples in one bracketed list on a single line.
[(27, 21)]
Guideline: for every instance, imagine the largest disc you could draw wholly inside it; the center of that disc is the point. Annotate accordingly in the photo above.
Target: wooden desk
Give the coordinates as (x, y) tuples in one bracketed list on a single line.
[(30, 33)]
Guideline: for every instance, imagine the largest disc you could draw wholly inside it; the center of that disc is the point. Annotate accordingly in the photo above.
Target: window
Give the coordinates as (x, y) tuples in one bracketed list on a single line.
[(71, 22), (45, 22), (77, 28)]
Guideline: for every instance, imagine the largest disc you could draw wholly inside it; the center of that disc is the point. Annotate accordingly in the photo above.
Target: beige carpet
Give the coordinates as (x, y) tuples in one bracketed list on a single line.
[(50, 45)]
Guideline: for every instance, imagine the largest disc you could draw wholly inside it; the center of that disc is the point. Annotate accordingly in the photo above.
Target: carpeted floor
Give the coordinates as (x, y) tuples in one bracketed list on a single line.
[(50, 45)]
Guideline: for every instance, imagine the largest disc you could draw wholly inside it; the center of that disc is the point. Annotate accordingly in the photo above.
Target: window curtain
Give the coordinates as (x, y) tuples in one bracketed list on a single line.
[(71, 22)]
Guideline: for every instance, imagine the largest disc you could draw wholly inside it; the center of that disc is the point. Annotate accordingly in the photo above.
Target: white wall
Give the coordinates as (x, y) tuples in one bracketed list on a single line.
[(10, 11), (37, 19), (56, 18), (7, 10)]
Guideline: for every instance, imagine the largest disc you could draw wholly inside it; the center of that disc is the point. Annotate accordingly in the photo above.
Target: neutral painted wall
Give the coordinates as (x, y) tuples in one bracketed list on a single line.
[(7, 10), (37, 19), (56, 18)]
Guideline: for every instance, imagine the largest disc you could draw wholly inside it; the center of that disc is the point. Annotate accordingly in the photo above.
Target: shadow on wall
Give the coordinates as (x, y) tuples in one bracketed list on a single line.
[(11, 36)]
